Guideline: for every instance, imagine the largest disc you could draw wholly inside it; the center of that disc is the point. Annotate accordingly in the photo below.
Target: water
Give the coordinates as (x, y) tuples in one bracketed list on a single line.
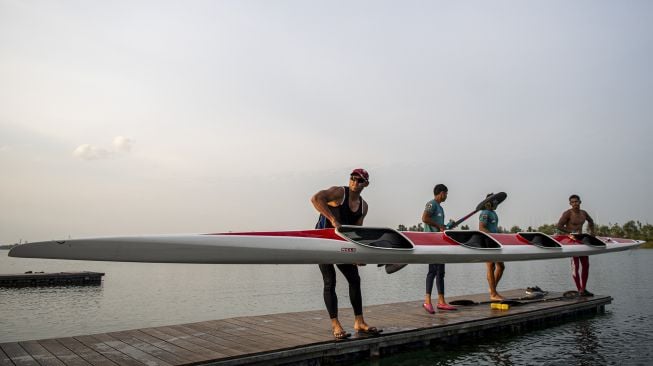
[(137, 295)]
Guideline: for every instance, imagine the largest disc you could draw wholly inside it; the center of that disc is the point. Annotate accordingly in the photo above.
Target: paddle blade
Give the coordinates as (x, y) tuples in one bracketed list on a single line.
[(392, 268), (496, 198)]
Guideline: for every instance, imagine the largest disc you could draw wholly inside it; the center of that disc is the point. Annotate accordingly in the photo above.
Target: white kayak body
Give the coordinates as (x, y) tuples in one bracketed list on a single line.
[(349, 244)]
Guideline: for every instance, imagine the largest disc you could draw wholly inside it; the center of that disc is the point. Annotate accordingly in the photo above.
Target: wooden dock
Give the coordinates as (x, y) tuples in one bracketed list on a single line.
[(28, 279), (303, 337)]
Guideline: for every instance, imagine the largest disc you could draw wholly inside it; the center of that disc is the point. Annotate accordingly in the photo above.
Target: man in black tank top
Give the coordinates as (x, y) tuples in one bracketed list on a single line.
[(343, 206)]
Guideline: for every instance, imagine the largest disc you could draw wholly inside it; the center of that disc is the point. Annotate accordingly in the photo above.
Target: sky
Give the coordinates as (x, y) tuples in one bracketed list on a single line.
[(157, 117)]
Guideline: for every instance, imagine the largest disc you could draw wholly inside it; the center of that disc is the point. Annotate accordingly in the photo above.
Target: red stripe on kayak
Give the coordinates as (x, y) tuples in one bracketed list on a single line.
[(566, 240), (318, 233), (428, 238), (510, 239)]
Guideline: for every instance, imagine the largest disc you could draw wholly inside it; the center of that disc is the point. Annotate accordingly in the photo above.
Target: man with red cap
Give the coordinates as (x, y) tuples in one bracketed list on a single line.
[(343, 205)]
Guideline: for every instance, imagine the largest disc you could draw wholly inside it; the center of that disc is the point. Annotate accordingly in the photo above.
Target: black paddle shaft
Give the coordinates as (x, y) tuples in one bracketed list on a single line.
[(496, 199)]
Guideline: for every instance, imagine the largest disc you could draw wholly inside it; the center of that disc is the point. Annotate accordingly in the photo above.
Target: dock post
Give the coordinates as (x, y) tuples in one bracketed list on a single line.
[(375, 352)]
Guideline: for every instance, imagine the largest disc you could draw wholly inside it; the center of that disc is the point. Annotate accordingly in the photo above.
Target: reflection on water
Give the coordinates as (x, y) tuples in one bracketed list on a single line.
[(137, 295)]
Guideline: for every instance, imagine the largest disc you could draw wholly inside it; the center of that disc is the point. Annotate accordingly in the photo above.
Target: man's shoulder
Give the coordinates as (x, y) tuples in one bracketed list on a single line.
[(487, 214), (432, 205)]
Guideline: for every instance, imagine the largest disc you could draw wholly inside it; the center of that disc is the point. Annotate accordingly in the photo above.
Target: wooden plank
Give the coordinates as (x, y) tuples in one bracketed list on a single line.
[(40, 354), (88, 354), (108, 351), (4, 359), (63, 353), (190, 342), (269, 332), (211, 341), (243, 343), (248, 337), (194, 355), (18, 355), (131, 351), (148, 348), (290, 324)]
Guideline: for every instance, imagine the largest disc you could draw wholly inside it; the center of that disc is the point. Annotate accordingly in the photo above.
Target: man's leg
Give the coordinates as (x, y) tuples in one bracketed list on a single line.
[(585, 271), (331, 299), (574, 273), (439, 282), (350, 271)]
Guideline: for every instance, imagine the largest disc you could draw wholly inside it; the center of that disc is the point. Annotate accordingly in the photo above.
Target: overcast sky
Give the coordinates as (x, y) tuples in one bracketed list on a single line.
[(152, 117)]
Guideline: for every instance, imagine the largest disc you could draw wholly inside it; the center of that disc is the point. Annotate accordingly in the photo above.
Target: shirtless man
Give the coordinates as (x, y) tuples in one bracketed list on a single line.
[(338, 206), (571, 222)]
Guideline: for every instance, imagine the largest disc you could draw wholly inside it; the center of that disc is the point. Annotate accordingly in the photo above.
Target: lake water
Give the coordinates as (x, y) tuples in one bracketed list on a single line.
[(137, 295)]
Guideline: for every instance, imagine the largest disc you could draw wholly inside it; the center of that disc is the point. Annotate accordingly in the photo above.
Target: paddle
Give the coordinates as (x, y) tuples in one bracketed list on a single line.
[(495, 198)]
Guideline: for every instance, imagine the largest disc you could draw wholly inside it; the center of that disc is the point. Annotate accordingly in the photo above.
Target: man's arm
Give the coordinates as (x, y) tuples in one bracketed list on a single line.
[(590, 223), (426, 218), (482, 226), (322, 200), (562, 223)]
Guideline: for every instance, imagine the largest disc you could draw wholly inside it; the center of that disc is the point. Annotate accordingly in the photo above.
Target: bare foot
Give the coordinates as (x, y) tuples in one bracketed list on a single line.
[(338, 331), (496, 297)]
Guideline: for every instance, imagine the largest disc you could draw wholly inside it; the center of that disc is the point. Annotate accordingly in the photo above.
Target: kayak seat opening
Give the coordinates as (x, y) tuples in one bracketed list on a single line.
[(590, 240), (473, 239), (540, 240), (375, 237)]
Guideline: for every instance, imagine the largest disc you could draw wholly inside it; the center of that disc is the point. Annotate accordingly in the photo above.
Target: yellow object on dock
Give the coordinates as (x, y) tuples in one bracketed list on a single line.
[(499, 306)]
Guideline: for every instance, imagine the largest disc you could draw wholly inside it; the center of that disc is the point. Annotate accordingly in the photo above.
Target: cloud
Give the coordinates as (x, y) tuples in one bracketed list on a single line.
[(121, 144)]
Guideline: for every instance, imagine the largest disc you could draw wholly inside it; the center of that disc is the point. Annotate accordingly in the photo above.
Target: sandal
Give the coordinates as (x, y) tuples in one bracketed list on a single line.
[(369, 331), (341, 335), (446, 307)]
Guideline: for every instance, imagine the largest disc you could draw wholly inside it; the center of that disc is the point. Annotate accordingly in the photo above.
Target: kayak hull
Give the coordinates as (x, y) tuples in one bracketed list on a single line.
[(360, 245)]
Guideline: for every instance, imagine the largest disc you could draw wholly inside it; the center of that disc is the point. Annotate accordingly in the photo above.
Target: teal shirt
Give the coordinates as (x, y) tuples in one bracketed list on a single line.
[(436, 213), (490, 219)]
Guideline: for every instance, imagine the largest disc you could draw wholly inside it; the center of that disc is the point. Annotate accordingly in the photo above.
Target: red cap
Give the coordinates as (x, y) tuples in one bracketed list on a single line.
[(361, 173)]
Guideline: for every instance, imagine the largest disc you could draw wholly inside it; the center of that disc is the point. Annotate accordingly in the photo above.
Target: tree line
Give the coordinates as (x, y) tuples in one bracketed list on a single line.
[(631, 230)]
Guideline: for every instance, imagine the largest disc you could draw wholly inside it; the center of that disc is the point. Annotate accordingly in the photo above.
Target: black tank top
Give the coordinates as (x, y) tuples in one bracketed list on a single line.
[(344, 214), (347, 216)]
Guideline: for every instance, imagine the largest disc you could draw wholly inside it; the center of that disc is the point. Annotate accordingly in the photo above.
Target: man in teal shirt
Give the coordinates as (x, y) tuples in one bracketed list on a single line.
[(488, 222), (433, 219)]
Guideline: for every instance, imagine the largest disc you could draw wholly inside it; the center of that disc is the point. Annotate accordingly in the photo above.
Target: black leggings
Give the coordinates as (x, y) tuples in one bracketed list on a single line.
[(435, 271), (350, 271)]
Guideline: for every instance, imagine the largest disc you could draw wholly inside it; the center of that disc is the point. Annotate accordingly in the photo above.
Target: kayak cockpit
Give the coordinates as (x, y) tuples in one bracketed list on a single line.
[(472, 239), (590, 240), (540, 240), (381, 238)]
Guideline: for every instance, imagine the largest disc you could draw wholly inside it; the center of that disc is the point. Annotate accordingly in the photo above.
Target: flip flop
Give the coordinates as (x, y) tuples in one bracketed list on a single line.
[(369, 331), (571, 294), (341, 335), (446, 307)]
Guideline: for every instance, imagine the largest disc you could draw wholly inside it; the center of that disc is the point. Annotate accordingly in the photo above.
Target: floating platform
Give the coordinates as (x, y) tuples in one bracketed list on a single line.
[(29, 279), (302, 337)]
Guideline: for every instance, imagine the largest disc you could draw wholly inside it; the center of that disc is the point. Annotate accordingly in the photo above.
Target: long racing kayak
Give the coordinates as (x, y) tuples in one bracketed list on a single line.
[(349, 244)]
